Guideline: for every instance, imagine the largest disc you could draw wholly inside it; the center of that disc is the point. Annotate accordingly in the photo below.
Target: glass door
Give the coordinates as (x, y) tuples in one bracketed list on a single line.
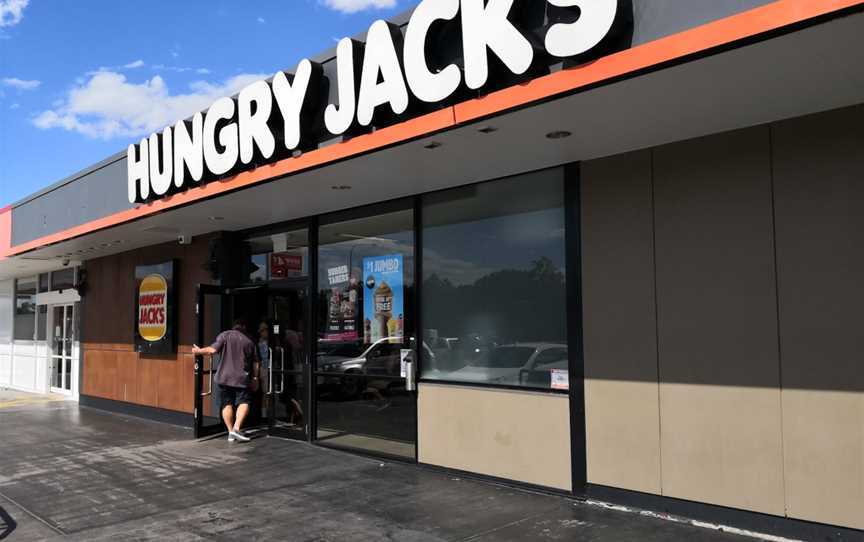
[(217, 307), (62, 339), (275, 318), (365, 332), (285, 377)]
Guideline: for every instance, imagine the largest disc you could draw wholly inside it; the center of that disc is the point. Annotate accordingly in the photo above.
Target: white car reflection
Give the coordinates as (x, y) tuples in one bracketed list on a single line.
[(518, 364)]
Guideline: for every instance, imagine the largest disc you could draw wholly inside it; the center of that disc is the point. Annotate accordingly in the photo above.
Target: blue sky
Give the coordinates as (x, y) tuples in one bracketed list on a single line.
[(80, 80)]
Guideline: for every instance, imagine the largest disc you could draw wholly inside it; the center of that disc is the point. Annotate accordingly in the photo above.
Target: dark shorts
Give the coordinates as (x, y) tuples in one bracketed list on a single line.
[(231, 396)]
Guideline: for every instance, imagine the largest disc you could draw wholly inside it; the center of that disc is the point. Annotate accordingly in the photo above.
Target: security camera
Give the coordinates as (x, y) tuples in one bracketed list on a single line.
[(184, 239), (66, 262)]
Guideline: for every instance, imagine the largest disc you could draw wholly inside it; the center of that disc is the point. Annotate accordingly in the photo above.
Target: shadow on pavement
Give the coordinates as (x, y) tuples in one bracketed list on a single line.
[(7, 524)]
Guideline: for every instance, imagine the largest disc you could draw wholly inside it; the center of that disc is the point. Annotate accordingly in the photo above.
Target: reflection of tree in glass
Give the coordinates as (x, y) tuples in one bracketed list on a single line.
[(502, 307)]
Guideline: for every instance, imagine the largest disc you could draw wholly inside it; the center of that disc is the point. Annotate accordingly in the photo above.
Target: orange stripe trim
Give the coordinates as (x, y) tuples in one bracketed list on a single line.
[(5, 231), (699, 39)]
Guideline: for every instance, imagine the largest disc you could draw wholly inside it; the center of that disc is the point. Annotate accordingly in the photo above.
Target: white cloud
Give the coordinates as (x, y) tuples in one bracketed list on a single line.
[(261, 20), (136, 64), (202, 71), (353, 6), (108, 106), (15, 106), (20, 84), (12, 11)]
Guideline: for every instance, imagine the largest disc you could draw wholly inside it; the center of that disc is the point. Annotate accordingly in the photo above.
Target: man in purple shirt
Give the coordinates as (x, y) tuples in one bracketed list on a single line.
[(233, 376)]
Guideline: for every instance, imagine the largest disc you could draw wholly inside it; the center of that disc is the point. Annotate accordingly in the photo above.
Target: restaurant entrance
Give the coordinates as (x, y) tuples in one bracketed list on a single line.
[(275, 319)]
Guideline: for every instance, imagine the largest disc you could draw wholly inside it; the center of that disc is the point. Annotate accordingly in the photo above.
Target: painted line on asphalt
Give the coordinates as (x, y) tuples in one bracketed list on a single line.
[(692, 522)]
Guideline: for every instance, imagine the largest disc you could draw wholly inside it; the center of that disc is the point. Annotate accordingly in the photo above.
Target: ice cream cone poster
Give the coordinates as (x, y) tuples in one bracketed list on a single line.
[(383, 298)]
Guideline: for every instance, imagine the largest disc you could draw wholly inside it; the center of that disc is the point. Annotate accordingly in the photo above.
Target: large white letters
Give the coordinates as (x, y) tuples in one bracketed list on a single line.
[(253, 123), (290, 97), (189, 150), (382, 72), (487, 27), (160, 180), (595, 20), (138, 171), (220, 162), (425, 85), (339, 119), (381, 59)]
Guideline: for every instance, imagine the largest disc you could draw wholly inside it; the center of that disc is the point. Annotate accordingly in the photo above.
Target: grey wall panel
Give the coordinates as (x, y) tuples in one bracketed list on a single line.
[(717, 322), (620, 329), (92, 196), (7, 292), (819, 187), (659, 18)]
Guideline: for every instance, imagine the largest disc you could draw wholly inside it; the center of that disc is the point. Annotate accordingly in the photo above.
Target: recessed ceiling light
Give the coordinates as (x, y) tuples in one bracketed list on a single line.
[(215, 218), (559, 134), (340, 187), (432, 145), (488, 130)]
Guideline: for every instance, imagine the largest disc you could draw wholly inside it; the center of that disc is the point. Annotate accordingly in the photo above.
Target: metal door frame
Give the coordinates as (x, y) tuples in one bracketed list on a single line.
[(300, 285)]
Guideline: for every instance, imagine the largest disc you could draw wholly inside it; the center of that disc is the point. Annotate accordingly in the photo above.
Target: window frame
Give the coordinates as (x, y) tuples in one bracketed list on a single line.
[(568, 203), (35, 279)]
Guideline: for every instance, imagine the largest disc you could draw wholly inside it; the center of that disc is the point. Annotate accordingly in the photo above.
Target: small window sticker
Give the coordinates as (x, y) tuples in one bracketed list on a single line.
[(560, 379)]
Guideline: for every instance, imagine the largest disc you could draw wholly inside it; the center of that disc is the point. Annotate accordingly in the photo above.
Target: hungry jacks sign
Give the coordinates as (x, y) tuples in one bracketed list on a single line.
[(450, 49), (155, 318)]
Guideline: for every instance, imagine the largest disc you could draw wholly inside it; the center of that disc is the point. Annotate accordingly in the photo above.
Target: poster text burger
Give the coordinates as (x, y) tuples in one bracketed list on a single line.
[(389, 76)]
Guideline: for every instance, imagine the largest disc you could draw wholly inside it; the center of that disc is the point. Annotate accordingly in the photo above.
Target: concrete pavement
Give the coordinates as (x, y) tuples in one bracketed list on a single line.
[(72, 473)]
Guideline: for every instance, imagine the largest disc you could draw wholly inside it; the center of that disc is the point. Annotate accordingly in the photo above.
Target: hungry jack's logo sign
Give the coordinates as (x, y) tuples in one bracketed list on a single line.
[(155, 317), (153, 308), (390, 76)]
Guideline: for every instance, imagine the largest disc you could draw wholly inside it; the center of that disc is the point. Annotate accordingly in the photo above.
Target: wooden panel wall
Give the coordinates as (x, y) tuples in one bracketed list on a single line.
[(111, 367)]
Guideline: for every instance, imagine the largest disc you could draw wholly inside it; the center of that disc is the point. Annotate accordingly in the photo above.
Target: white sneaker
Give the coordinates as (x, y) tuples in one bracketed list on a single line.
[(233, 435)]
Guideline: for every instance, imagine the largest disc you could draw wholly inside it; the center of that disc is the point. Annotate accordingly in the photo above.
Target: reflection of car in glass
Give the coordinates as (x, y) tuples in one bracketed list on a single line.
[(359, 362), (519, 364)]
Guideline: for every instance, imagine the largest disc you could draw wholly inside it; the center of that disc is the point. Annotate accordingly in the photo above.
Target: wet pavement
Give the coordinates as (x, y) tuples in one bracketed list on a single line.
[(73, 473)]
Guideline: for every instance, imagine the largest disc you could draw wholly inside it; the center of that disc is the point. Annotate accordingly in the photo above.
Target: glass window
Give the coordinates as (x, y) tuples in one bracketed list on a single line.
[(63, 279), (366, 280), (7, 302), (41, 322), (45, 282), (25, 309), (278, 256), (493, 291)]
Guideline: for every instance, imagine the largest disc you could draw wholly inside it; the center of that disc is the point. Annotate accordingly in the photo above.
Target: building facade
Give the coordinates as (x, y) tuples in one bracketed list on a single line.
[(612, 254)]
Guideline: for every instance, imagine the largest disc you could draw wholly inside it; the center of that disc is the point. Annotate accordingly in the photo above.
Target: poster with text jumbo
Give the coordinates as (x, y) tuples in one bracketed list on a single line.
[(383, 298)]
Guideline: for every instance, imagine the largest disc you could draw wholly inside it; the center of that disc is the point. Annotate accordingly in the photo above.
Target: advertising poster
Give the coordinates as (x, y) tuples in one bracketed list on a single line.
[(383, 298), (155, 321), (342, 306)]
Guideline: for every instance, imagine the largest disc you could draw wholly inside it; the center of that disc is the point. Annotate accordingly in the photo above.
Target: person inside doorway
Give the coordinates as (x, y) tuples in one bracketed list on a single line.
[(237, 376)]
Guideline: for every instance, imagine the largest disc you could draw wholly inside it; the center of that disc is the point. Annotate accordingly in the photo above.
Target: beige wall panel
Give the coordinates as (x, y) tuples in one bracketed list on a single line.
[(509, 434), (717, 321), (620, 332), (819, 191)]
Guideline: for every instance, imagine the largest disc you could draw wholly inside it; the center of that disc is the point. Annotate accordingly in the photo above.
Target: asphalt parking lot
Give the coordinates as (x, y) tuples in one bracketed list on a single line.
[(74, 473)]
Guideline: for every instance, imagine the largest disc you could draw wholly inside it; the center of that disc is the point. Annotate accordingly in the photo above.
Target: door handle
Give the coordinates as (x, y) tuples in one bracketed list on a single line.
[(209, 374), (281, 370), (270, 372)]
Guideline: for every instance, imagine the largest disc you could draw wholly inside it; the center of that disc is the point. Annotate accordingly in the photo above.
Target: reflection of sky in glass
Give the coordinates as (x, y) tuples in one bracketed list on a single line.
[(465, 252)]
